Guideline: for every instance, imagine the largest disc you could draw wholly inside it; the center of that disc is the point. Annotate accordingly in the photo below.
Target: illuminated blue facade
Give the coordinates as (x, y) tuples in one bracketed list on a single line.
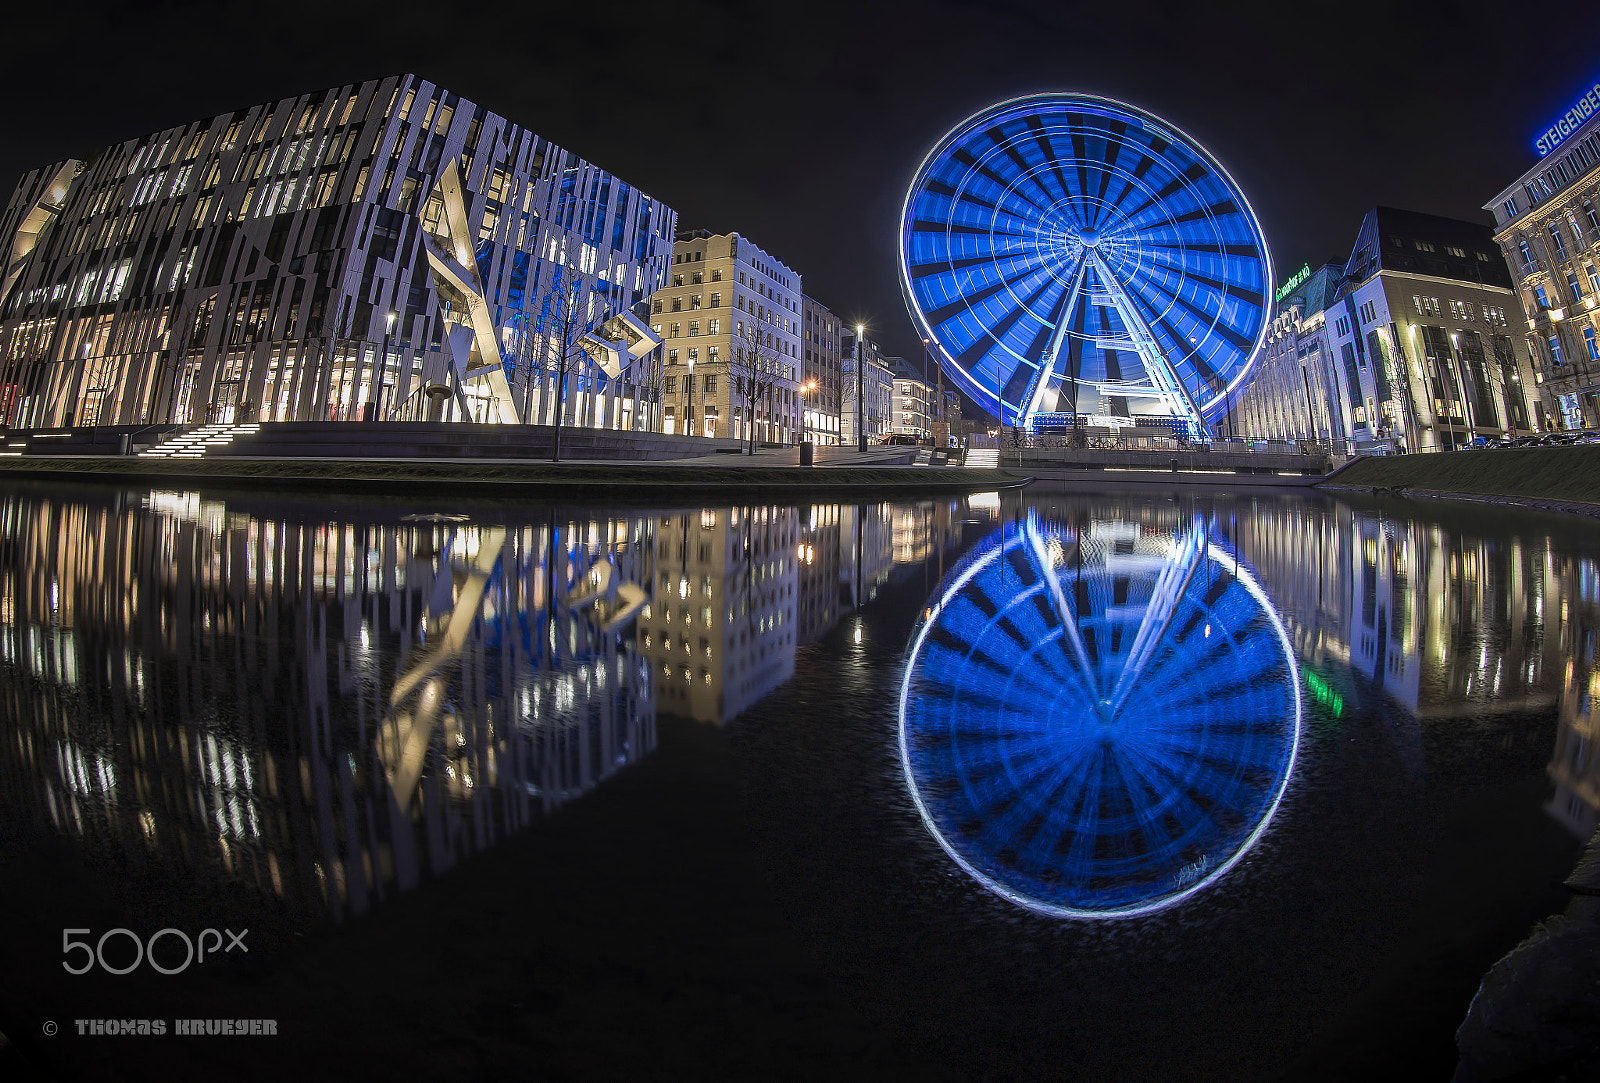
[(1097, 719), (1070, 254)]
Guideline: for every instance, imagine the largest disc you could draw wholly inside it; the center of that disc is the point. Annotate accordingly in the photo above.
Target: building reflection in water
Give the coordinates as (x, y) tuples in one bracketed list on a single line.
[(1574, 766), (333, 709), (327, 711), (1449, 624), (738, 590), (1099, 715)]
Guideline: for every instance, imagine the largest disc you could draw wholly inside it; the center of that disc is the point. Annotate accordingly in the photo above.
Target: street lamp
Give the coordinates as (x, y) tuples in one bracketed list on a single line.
[(861, 432), (805, 403), (689, 418)]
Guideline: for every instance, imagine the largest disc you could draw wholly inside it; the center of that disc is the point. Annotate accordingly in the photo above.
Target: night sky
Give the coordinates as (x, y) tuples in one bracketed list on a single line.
[(800, 126)]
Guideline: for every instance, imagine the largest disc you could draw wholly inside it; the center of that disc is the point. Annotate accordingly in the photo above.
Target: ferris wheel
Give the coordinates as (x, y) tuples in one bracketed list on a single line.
[(1073, 255), (1098, 719)]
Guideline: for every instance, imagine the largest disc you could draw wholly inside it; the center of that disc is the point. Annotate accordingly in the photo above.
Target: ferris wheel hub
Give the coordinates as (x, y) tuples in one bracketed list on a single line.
[(1089, 238)]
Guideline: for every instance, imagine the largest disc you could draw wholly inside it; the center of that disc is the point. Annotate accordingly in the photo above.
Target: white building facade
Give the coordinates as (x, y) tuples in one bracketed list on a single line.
[(1412, 345), (1547, 223)]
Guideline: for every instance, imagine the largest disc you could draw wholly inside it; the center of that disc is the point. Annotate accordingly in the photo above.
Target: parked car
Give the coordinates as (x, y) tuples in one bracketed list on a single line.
[(1527, 441), (1559, 439)]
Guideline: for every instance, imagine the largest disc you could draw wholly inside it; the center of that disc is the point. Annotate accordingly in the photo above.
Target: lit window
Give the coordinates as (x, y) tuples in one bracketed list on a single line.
[(1555, 239)]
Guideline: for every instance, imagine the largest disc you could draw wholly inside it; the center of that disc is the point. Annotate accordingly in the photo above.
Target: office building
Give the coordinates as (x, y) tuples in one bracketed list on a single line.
[(381, 250), (821, 371), (915, 405), (730, 318), (875, 388)]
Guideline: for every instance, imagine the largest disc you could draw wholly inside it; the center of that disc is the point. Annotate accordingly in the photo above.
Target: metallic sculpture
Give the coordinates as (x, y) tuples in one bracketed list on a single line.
[(1097, 719), (1072, 255)]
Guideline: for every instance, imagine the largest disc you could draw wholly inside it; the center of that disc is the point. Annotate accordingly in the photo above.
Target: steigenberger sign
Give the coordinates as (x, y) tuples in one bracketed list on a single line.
[(1568, 122), (1294, 283)]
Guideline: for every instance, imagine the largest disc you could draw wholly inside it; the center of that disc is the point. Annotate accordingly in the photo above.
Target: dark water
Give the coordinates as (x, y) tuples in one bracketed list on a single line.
[(1127, 785)]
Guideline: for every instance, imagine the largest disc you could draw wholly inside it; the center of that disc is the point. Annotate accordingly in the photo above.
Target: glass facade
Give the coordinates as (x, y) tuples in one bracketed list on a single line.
[(272, 264)]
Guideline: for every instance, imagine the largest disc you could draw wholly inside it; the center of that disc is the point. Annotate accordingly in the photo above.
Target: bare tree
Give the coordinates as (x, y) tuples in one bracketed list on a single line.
[(553, 347), (752, 373)]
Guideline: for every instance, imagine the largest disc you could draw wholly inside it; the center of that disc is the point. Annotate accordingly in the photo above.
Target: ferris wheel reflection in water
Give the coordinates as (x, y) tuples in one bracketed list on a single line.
[(1099, 719)]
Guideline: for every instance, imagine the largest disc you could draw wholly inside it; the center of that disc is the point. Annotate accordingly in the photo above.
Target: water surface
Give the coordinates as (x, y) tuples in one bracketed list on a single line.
[(1137, 784)]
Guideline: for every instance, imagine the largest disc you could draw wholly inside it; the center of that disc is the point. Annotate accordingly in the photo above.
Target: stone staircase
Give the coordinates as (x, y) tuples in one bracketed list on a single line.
[(983, 456), (194, 443)]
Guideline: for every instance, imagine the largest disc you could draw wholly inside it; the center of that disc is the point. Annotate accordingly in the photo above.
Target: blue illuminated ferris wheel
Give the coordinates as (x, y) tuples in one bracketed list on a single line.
[(1072, 255), (1099, 719)]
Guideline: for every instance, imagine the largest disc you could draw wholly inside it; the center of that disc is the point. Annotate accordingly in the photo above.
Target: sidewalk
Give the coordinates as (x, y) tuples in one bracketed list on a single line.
[(769, 469)]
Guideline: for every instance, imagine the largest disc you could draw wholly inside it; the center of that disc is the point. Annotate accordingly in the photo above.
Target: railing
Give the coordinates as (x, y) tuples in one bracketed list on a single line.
[(1231, 445)]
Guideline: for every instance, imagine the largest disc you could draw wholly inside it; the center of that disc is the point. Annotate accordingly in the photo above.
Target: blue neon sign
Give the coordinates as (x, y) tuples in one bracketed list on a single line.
[(1568, 122)]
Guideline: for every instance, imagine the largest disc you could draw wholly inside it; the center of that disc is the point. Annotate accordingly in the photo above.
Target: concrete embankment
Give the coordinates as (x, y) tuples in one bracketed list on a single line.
[(1548, 478), (503, 476)]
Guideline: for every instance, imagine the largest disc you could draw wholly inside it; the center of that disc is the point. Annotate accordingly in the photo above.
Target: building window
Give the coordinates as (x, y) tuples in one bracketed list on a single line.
[(1594, 219), (677, 304), (716, 276), (1555, 350), (673, 331), (1572, 284), (714, 327), (1423, 246), (655, 307), (711, 354), (1594, 278), (716, 300), (1527, 253), (711, 383), (694, 302), (1555, 239), (1541, 297), (672, 385), (677, 280), (694, 328), (694, 354), (672, 357), (1416, 299), (696, 279), (1593, 347)]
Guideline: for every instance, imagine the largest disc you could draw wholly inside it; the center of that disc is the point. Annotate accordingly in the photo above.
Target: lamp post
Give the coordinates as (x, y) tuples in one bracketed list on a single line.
[(861, 432), (689, 419), (805, 402), (383, 365)]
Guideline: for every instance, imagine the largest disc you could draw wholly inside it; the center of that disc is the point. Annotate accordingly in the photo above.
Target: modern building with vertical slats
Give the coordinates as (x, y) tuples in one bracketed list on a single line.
[(384, 250)]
